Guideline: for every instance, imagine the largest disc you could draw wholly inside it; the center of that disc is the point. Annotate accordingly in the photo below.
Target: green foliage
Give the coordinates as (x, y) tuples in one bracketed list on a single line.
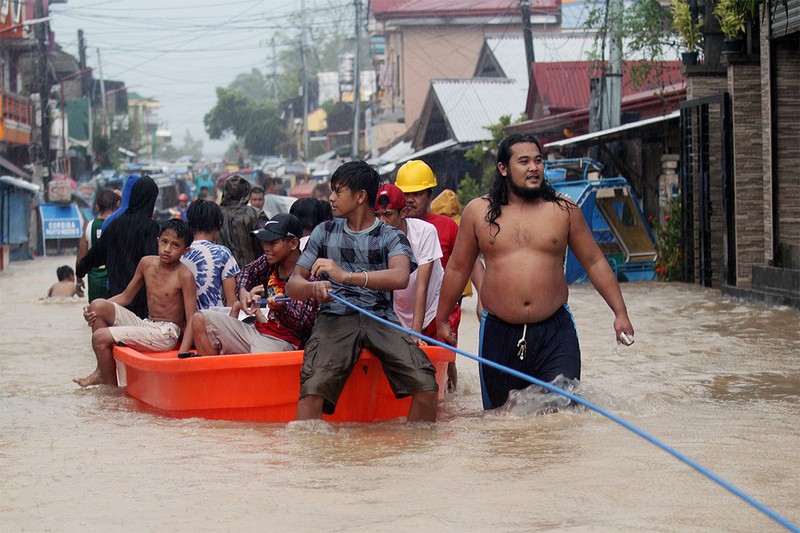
[(645, 31), (256, 124), (484, 155), (191, 147), (731, 17), (468, 190), (668, 242), (689, 30), (106, 148)]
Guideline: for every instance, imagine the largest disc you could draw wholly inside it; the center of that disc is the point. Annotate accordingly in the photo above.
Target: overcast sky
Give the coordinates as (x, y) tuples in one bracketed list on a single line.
[(176, 51)]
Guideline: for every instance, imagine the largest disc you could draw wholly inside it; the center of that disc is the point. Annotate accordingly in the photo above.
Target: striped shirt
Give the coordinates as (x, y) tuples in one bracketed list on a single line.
[(363, 251)]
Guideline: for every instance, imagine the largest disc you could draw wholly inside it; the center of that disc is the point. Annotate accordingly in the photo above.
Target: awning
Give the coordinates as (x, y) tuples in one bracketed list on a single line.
[(13, 168), (303, 190), (19, 184), (612, 131)]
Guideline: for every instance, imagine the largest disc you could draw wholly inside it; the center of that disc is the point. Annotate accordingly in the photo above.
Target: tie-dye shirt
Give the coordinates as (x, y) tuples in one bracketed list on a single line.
[(211, 264)]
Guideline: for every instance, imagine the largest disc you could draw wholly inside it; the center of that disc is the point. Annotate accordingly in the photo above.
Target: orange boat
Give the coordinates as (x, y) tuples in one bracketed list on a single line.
[(257, 387)]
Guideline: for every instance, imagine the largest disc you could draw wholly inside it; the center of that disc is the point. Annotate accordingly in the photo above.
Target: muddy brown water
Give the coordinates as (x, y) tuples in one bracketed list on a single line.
[(717, 379)]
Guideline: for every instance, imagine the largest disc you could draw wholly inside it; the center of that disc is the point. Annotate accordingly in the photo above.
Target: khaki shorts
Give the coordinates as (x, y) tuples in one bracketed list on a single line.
[(146, 334), (335, 346), (230, 335)]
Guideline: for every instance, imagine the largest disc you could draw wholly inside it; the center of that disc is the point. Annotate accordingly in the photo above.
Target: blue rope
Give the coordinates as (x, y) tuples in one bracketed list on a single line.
[(577, 399)]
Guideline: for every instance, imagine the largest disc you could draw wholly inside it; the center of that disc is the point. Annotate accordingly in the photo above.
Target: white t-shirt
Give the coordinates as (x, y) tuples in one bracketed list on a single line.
[(424, 242)]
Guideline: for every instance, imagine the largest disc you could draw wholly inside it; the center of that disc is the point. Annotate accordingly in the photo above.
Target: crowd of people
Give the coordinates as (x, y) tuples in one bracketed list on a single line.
[(227, 279)]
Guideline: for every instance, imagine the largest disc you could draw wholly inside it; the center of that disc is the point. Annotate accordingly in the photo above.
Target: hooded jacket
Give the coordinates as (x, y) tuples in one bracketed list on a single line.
[(240, 220), (127, 239)]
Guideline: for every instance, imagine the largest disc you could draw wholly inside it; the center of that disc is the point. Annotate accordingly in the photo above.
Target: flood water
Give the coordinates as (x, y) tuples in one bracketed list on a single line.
[(717, 379)]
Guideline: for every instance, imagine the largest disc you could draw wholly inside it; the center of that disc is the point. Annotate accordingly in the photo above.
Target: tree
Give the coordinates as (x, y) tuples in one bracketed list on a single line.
[(484, 155), (256, 124), (646, 32), (106, 148)]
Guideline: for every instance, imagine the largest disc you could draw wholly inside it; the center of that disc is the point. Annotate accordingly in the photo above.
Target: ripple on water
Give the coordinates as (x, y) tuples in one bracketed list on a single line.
[(744, 388)]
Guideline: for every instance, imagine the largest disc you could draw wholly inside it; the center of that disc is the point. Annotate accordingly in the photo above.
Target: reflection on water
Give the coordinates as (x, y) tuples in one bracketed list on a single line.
[(707, 375)]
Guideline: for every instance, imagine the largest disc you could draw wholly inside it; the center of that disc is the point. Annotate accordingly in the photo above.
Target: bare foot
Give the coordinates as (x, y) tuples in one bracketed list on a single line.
[(95, 378)]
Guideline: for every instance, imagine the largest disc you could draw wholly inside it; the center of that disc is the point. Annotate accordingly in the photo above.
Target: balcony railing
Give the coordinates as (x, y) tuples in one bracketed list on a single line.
[(15, 120)]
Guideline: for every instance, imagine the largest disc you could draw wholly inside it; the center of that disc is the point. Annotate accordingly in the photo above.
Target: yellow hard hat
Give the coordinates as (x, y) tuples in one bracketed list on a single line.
[(415, 176)]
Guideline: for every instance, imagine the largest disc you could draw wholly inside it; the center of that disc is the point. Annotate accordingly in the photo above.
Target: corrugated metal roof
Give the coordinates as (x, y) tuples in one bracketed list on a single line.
[(471, 104), (509, 51), (384, 9), (564, 86)]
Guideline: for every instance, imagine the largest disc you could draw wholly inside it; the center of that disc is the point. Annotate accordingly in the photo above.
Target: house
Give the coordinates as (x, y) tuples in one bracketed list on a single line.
[(740, 151), (425, 40)]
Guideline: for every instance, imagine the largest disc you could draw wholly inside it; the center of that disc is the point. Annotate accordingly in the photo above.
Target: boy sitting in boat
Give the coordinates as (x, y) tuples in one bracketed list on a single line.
[(170, 299), (286, 325), (362, 261)]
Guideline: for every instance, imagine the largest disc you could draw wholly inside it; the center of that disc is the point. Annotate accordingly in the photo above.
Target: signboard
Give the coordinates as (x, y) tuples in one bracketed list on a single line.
[(60, 221)]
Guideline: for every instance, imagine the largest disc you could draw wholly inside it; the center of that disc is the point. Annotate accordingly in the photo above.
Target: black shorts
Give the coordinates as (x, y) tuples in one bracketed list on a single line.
[(551, 350), (335, 346)]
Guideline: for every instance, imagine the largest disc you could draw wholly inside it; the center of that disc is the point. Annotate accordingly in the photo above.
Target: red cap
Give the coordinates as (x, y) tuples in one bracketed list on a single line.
[(390, 197), (183, 198)]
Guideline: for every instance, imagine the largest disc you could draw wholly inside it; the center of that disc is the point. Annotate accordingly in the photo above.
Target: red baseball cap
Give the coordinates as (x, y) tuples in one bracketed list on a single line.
[(390, 197)]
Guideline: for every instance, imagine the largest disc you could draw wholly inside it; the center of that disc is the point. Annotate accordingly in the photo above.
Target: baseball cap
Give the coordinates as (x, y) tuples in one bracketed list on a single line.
[(390, 197), (183, 198), (280, 226)]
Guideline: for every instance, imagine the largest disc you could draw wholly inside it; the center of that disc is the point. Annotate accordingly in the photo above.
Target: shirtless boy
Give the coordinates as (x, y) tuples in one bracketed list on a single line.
[(523, 228), (170, 300), (66, 285)]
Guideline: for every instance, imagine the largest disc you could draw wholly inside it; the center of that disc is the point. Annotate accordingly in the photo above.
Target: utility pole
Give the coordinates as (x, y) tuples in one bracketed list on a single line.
[(525, 7), (356, 83), (612, 106), (274, 71), (82, 65), (103, 94), (42, 31), (305, 78)]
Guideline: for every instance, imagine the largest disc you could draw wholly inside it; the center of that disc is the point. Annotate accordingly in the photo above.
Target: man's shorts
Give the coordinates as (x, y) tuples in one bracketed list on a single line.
[(230, 335), (551, 349), (335, 346), (146, 335)]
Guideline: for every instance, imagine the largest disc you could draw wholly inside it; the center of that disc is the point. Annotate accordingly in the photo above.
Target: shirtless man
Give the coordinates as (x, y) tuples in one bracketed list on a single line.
[(170, 299), (523, 228)]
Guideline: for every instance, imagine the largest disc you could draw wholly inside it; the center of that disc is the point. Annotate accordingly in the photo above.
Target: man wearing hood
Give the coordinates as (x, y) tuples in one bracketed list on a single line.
[(240, 221), (129, 237)]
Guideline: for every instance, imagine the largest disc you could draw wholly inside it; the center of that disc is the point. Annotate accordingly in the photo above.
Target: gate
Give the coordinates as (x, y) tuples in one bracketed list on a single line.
[(706, 156)]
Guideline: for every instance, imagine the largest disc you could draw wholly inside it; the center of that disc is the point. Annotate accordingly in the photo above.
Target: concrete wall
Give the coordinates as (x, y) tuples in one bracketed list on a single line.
[(430, 52)]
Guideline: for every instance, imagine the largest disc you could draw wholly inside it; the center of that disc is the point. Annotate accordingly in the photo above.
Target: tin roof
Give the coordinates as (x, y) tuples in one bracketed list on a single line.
[(559, 87), (506, 54), (470, 105), (392, 9)]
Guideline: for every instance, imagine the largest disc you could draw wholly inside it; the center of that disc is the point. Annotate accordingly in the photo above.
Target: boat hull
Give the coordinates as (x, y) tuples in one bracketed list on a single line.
[(257, 387)]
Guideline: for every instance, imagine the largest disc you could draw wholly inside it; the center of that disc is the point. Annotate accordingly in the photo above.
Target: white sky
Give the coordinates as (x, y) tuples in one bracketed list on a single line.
[(176, 51)]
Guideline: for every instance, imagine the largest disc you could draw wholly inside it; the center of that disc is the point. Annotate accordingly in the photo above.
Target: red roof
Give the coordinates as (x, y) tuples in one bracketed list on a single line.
[(564, 86), (303, 190), (391, 9)]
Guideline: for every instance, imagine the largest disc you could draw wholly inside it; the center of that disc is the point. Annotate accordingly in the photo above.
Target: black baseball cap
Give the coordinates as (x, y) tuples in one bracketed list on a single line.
[(280, 226)]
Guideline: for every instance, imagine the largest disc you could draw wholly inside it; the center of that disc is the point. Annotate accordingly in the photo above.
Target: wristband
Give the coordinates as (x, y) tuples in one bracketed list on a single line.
[(366, 279)]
